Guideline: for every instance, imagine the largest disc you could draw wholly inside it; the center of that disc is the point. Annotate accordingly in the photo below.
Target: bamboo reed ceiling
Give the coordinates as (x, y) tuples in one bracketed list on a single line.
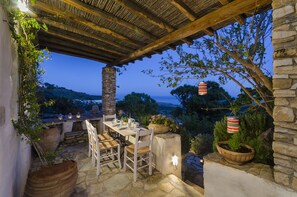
[(117, 32)]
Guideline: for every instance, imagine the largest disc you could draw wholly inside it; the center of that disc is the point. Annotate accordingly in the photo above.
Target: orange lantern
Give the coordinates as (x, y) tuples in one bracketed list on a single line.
[(202, 88), (232, 124)]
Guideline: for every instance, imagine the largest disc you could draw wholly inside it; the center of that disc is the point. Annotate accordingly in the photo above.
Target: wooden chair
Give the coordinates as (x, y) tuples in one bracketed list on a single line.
[(102, 137), (141, 151), (107, 130), (108, 118), (102, 150)]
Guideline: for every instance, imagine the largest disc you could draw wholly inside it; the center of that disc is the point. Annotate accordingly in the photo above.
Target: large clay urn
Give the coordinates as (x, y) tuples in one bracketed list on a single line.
[(50, 138)]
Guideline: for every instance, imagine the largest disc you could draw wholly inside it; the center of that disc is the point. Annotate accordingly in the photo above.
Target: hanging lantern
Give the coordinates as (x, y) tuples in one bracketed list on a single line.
[(232, 124), (202, 88)]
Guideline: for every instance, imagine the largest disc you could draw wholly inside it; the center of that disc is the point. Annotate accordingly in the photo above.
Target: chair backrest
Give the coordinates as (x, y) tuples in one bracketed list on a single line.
[(88, 125), (92, 133), (143, 138), (108, 118)]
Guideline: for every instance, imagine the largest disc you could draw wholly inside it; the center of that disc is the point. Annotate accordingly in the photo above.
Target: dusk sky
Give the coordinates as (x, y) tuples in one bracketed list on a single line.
[(85, 75)]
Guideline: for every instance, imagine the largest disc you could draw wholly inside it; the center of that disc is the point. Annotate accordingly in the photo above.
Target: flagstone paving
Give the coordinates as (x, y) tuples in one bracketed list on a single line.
[(114, 182)]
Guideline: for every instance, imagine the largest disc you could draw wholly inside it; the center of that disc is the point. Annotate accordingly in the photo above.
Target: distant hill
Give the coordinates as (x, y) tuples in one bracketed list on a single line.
[(50, 91)]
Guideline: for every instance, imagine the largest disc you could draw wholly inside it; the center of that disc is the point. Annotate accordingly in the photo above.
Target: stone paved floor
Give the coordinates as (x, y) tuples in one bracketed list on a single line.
[(113, 182)]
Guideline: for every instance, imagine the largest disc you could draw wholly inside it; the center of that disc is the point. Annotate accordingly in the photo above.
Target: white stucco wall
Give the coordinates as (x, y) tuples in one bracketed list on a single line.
[(15, 155), (225, 181)]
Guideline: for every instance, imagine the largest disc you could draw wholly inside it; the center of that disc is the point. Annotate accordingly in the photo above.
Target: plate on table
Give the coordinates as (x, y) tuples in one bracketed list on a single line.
[(122, 127)]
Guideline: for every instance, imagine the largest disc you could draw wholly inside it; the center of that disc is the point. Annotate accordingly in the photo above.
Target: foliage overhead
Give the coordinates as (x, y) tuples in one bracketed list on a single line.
[(236, 52)]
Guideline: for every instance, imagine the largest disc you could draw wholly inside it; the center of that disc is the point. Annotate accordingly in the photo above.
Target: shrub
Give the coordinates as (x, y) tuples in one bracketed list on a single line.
[(201, 144), (196, 123), (185, 139)]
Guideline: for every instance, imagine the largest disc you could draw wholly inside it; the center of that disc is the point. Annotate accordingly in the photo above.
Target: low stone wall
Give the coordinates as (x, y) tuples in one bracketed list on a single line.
[(252, 179)]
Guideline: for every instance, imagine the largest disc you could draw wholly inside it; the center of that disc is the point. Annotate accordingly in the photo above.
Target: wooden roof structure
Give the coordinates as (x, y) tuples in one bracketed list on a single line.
[(117, 32)]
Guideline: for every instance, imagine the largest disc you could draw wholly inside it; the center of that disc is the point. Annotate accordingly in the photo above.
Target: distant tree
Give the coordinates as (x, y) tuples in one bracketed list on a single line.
[(199, 113), (138, 105), (216, 98), (236, 52)]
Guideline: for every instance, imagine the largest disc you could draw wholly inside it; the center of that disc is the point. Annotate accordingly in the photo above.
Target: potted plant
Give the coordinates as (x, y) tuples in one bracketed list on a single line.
[(162, 124), (235, 152)]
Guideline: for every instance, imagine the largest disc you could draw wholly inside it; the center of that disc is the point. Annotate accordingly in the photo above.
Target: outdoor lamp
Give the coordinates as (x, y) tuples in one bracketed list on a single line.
[(60, 117), (23, 5), (69, 116), (202, 88), (174, 160), (78, 115)]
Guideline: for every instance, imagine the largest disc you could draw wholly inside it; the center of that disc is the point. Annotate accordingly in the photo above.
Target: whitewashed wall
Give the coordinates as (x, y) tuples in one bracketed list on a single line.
[(15, 155), (221, 180)]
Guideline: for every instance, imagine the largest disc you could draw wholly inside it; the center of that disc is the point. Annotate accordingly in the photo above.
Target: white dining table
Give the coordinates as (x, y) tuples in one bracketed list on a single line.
[(123, 130)]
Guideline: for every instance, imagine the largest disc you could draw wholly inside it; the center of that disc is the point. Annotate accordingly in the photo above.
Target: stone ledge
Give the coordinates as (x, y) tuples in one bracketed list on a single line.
[(257, 169)]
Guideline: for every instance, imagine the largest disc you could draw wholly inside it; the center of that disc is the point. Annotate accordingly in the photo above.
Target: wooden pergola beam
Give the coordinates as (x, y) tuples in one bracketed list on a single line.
[(222, 14), (83, 42), (72, 52), (68, 28), (76, 19), (184, 9), (149, 17), (111, 18), (59, 43), (238, 18)]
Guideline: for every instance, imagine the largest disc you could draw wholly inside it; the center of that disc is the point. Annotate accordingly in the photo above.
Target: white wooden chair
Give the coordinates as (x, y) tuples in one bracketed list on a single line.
[(102, 137), (108, 118), (106, 130), (141, 151), (102, 150)]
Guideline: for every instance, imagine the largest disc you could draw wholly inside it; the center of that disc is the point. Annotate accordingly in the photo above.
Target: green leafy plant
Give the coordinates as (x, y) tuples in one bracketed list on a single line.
[(234, 142), (24, 30), (163, 120), (124, 118), (201, 144)]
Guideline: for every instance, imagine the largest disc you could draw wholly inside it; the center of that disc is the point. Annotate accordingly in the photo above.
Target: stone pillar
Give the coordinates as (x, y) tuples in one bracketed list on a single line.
[(284, 39), (108, 90)]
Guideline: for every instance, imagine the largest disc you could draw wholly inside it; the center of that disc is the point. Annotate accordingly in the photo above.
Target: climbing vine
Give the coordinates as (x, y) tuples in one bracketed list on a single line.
[(24, 31)]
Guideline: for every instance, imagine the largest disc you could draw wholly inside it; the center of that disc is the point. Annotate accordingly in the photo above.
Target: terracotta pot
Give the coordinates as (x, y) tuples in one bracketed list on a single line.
[(53, 181), (158, 128), (235, 157), (50, 139)]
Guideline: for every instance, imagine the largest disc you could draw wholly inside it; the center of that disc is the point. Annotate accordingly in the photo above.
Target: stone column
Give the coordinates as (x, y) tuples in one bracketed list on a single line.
[(284, 39), (108, 90)]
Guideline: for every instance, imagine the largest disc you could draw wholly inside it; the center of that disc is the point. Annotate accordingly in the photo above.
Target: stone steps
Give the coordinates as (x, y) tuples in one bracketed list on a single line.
[(187, 188), (196, 187)]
